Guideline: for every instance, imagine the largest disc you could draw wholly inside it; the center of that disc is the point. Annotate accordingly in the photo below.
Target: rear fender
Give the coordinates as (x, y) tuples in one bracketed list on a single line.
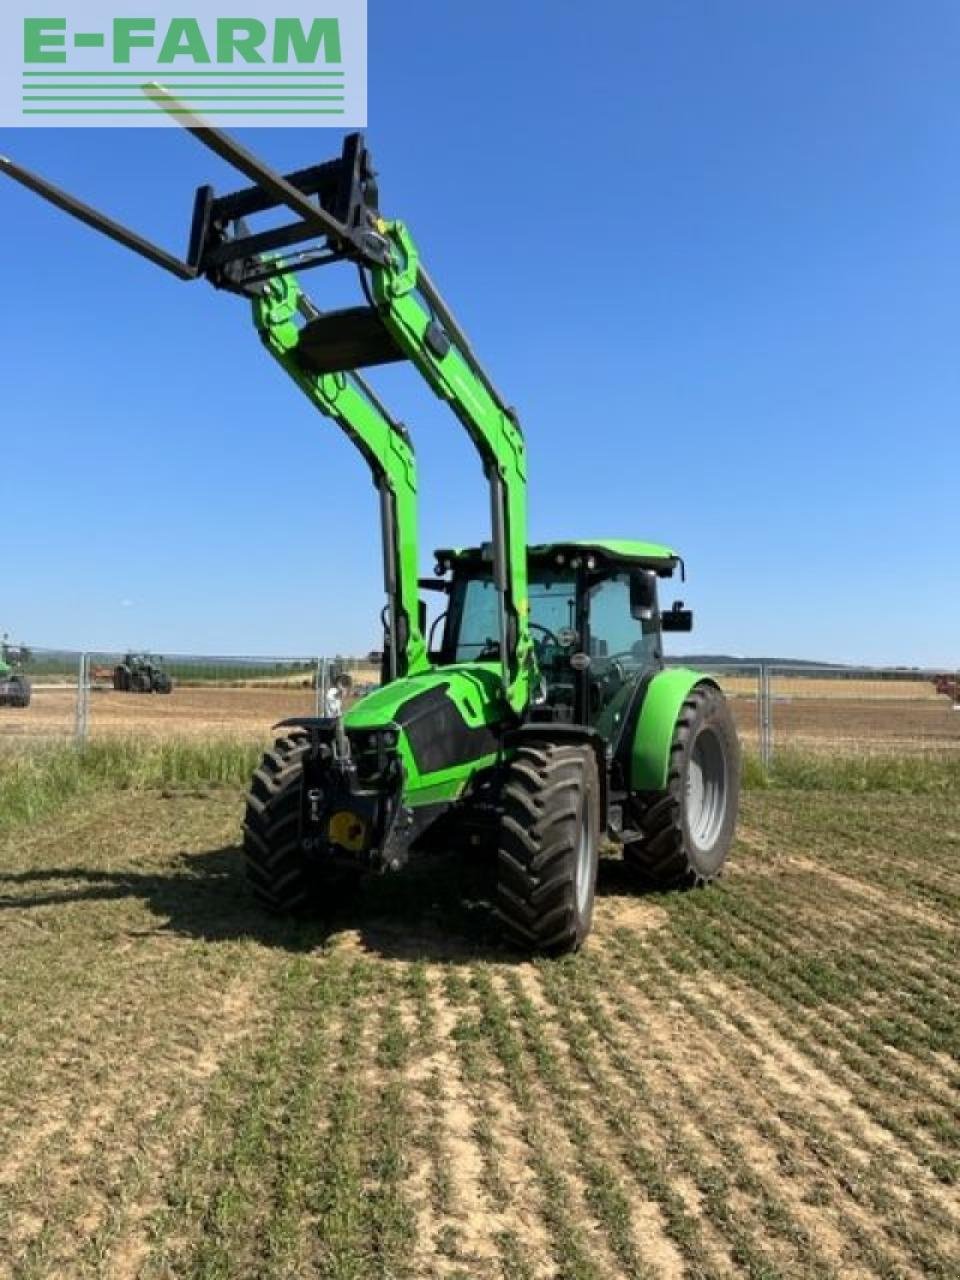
[(650, 754)]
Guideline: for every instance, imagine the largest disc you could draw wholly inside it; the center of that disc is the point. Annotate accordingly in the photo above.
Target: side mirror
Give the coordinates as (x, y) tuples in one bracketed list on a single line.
[(643, 595), (677, 618)]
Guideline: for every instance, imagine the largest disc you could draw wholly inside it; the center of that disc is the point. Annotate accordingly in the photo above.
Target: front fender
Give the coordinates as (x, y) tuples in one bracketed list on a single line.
[(665, 695)]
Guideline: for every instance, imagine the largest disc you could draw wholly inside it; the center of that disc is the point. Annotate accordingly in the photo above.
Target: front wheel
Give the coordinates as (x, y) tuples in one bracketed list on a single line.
[(686, 830), (278, 870), (549, 846)]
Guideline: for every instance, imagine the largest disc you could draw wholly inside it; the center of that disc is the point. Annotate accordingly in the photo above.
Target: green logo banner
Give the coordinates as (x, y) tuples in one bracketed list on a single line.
[(94, 65)]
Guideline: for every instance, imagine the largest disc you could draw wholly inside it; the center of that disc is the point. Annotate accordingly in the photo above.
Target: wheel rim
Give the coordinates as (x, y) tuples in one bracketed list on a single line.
[(584, 864), (706, 790)]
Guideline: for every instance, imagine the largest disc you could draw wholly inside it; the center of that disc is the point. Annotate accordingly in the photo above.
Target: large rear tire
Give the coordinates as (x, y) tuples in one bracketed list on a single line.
[(278, 870), (549, 846), (687, 829)]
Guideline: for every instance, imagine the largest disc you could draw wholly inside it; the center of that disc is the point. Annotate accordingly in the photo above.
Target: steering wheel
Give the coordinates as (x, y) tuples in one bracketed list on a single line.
[(614, 668), (551, 636), (491, 647)]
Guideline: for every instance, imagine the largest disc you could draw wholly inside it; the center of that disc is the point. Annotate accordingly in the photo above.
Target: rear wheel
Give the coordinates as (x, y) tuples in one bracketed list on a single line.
[(687, 829), (549, 846)]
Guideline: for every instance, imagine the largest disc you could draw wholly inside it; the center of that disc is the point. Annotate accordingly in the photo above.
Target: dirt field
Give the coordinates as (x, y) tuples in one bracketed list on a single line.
[(201, 712), (760, 1079), (807, 714)]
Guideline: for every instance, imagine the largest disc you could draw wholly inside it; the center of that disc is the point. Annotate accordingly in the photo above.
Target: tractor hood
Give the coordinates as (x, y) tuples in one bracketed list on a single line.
[(446, 719)]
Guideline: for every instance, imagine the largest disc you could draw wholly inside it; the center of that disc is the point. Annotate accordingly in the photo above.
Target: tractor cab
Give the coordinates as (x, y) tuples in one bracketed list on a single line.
[(593, 615)]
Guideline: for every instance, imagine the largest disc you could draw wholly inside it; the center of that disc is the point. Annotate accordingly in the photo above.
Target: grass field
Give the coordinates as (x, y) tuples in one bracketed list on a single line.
[(760, 1079)]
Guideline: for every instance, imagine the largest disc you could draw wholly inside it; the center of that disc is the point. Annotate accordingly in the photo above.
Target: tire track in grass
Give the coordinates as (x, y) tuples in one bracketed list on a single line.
[(772, 1108), (739, 1205), (875, 902)]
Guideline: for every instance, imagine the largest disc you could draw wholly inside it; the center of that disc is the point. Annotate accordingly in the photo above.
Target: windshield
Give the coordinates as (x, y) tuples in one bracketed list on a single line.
[(552, 611), (623, 628)]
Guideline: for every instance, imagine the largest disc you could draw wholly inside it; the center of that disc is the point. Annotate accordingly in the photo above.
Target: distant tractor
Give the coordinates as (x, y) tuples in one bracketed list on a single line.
[(15, 690), (139, 673)]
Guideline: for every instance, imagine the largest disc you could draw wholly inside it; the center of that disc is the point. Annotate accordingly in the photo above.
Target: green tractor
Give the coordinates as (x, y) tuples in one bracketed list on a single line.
[(15, 688), (538, 719), (141, 673)]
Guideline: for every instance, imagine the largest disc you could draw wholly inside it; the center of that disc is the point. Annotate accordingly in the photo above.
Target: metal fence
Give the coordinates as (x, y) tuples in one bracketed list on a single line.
[(778, 707), (94, 695), (841, 710)]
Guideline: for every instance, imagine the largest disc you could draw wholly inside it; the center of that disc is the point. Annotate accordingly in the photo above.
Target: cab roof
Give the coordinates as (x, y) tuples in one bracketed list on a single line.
[(607, 551)]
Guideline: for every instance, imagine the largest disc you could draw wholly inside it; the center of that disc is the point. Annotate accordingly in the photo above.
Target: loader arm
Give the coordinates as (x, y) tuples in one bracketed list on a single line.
[(385, 445), (424, 329)]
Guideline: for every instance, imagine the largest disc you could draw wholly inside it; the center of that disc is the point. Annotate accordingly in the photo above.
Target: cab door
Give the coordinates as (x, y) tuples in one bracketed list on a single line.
[(623, 630)]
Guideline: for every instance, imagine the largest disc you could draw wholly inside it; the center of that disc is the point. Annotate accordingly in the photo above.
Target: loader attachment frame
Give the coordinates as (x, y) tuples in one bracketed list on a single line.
[(337, 218)]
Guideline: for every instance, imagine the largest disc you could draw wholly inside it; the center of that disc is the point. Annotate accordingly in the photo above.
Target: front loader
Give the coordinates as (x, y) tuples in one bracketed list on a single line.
[(543, 720)]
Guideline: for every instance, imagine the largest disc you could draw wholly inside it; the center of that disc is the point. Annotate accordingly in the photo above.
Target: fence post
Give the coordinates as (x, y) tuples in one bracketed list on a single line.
[(322, 705), (83, 698), (760, 713), (317, 662), (766, 718)]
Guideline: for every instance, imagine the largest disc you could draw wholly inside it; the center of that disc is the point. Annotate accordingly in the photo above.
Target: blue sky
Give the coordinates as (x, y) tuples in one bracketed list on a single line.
[(710, 250)]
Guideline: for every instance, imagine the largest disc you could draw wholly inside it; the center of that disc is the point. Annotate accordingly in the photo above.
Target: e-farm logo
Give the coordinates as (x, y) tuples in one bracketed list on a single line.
[(90, 66)]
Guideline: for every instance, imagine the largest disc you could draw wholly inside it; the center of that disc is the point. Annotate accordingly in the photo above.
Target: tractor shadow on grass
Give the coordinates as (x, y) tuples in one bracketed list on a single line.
[(438, 908)]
